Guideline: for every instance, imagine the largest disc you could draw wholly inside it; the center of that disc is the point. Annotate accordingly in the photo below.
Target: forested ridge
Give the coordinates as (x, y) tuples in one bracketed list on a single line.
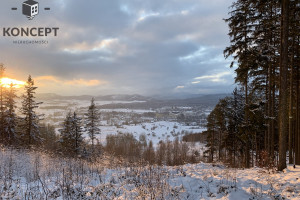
[(259, 123)]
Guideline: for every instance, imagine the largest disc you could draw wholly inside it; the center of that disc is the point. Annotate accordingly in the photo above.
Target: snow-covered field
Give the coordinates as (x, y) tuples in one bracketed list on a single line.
[(155, 131), (55, 111), (34, 175)]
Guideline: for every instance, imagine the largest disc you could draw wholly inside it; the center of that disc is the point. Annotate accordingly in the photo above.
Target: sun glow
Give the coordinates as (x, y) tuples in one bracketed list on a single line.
[(7, 82)]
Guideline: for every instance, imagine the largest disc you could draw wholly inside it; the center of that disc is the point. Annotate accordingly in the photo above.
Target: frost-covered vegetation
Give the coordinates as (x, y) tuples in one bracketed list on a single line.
[(37, 175)]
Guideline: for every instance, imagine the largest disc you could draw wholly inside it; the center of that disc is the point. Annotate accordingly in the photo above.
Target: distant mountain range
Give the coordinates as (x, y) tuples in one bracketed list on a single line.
[(143, 102), (118, 97)]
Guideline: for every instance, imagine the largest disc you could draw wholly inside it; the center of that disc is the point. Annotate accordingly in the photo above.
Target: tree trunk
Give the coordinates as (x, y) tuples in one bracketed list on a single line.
[(297, 111), (283, 91), (247, 153), (269, 138), (291, 114)]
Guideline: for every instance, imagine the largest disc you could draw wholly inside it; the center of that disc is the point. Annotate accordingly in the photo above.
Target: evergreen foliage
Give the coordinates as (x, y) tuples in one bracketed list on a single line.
[(92, 122), (71, 135), (30, 133), (264, 43)]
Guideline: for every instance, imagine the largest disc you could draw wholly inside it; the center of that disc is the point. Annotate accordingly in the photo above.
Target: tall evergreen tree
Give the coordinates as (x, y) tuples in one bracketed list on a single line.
[(225, 130), (77, 134), (71, 134), (10, 117), (30, 134), (2, 107), (92, 121), (49, 137), (241, 24), (211, 144), (66, 139)]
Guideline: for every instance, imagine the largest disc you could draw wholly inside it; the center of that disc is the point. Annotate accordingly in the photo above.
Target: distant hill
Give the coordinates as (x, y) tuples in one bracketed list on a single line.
[(123, 97), (145, 102), (118, 97), (205, 101), (211, 99)]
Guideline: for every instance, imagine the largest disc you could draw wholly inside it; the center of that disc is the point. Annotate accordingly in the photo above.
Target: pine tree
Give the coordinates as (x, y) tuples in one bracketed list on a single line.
[(2, 107), (77, 132), (49, 137), (66, 134), (241, 30), (226, 135), (71, 134), (266, 36), (30, 134), (10, 116), (211, 144), (92, 122)]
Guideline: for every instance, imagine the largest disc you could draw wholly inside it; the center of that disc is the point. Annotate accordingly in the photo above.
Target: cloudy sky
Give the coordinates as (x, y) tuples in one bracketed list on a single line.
[(148, 47)]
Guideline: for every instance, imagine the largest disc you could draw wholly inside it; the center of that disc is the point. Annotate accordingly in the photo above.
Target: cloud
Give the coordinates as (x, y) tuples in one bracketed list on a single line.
[(95, 46), (214, 78), (74, 82), (129, 46), (143, 15), (48, 78), (85, 82), (179, 87)]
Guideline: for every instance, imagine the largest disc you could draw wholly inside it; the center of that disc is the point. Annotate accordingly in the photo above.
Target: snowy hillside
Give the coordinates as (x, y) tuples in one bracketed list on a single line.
[(34, 175)]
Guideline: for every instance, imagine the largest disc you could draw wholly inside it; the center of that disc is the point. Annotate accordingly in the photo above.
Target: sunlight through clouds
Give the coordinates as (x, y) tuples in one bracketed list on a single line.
[(96, 46), (85, 82), (8, 82), (74, 82), (213, 78)]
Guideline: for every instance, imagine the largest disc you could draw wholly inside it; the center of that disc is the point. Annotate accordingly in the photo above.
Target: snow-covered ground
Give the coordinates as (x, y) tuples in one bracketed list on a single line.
[(34, 175), (155, 131), (208, 181)]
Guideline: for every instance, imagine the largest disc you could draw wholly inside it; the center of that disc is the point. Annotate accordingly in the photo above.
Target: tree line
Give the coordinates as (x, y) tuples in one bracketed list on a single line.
[(170, 153), (259, 123), (20, 130), (26, 130)]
